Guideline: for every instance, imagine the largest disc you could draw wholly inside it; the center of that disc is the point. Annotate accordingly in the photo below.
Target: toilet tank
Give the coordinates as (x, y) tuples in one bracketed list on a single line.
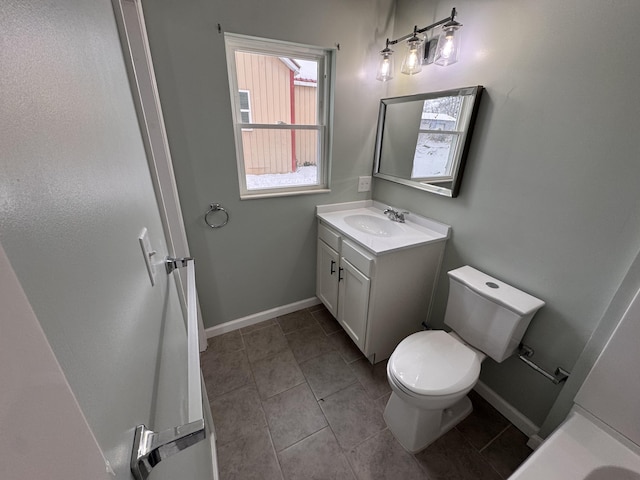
[(488, 314)]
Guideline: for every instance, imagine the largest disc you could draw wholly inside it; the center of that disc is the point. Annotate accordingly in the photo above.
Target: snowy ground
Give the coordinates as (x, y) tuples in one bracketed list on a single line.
[(431, 157), (303, 176)]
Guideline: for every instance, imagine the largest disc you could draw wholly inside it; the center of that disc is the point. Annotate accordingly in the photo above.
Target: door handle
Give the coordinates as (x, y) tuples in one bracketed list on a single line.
[(152, 447), (340, 278), (333, 267)]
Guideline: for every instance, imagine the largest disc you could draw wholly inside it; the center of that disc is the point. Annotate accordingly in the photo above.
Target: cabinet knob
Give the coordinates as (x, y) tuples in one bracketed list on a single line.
[(333, 267), (340, 274)]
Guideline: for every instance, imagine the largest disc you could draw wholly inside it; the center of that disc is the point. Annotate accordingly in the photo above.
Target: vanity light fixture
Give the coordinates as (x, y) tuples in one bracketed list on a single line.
[(412, 62), (385, 69), (417, 51), (448, 44)]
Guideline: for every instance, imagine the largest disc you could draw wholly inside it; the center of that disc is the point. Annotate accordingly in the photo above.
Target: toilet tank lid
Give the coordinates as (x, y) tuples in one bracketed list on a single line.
[(496, 290)]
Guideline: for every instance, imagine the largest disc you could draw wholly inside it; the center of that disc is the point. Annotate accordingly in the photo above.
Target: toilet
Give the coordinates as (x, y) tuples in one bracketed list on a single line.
[(431, 372)]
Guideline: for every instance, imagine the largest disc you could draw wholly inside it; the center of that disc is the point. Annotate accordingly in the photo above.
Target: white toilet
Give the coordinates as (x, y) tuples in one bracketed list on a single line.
[(431, 372)]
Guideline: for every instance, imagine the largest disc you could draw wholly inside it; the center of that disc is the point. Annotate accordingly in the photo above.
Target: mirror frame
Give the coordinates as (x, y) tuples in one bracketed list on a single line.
[(467, 130)]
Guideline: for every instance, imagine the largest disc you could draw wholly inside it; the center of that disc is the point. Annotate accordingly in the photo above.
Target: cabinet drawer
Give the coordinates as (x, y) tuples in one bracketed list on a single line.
[(357, 257), (329, 236)]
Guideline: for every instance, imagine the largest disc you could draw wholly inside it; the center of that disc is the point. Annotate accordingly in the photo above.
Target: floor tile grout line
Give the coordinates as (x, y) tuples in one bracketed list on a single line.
[(266, 420), (328, 425), (493, 468), (306, 382), (252, 381), (368, 438), (240, 329), (415, 459), (305, 328), (494, 439), (342, 450), (337, 391), (302, 439), (345, 451), (287, 390), (275, 453), (487, 460), (268, 357)]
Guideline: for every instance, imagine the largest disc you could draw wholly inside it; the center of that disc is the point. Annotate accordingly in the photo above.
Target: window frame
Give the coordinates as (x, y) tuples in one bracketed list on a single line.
[(243, 110), (452, 169), (324, 123)]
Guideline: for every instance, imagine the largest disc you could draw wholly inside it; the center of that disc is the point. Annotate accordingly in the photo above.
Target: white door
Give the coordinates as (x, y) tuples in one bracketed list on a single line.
[(353, 304), (327, 277), (76, 192)]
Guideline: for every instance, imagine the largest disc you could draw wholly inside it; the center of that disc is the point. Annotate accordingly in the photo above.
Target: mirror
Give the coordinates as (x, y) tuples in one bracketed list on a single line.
[(423, 140)]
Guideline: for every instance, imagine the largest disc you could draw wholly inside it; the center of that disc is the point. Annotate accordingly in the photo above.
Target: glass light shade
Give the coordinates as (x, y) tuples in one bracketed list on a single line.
[(412, 61), (385, 68), (448, 45)]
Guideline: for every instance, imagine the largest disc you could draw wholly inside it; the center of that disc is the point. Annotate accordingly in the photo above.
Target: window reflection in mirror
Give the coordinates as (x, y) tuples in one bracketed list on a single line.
[(423, 139)]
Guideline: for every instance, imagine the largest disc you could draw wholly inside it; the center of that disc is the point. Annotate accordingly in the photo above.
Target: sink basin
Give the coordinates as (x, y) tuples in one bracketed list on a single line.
[(364, 223), (372, 225)]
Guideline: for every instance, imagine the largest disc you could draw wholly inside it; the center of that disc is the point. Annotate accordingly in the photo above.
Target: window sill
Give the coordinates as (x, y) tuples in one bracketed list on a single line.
[(256, 196)]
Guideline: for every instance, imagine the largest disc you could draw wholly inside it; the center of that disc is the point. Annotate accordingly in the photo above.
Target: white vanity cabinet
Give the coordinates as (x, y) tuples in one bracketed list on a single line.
[(341, 285), (378, 298)]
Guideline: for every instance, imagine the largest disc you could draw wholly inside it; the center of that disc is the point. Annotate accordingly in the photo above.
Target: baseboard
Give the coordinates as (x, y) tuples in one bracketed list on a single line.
[(259, 317), (518, 420), (534, 442)]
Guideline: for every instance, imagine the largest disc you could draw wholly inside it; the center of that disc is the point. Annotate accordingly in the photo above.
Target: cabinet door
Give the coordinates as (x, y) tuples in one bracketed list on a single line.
[(327, 277), (354, 301)]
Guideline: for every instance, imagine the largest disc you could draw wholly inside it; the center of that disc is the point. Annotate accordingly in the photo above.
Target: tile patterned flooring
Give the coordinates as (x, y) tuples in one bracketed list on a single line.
[(293, 398)]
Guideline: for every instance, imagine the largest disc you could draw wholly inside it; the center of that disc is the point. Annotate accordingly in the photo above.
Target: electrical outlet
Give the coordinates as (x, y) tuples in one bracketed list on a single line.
[(364, 184)]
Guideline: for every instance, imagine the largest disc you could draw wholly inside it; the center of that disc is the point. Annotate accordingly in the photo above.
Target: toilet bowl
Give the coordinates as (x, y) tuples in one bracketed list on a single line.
[(431, 372)]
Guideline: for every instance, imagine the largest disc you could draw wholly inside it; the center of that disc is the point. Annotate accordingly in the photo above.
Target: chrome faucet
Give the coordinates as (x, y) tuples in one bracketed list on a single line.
[(394, 215)]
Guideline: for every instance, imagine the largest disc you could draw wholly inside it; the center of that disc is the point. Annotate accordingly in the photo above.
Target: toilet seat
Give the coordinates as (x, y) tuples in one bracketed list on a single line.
[(434, 363)]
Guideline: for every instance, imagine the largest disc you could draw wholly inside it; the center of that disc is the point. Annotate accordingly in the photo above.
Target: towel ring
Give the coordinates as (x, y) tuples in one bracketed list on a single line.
[(215, 207)]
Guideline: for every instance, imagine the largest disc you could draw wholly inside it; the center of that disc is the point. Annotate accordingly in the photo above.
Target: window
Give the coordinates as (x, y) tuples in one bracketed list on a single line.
[(282, 101), (439, 136), (245, 106)]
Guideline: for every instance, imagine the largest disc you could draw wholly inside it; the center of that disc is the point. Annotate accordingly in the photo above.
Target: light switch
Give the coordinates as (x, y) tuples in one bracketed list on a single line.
[(148, 253)]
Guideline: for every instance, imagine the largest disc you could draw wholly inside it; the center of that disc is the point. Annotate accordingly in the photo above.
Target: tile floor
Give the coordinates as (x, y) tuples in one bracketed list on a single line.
[(294, 398)]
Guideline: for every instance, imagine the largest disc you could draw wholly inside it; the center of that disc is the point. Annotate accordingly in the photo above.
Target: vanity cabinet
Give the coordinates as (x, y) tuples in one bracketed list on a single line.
[(341, 286), (379, 299)]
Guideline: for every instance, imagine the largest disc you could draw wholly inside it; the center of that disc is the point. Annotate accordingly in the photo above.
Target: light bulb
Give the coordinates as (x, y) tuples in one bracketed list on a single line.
[(412, 62), (448, 45), (448, 48), (385, 68)]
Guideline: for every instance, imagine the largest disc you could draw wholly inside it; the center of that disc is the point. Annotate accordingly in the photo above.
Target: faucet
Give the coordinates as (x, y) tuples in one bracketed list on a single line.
[(394, 215)]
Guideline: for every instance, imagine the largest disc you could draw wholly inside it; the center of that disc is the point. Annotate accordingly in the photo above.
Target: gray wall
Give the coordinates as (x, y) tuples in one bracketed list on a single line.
[(75, 193), (265, 256), (549, 200), (618, 306)]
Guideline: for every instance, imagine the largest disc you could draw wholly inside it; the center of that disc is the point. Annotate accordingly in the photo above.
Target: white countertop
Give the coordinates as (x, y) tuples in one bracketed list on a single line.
[(415, 231)]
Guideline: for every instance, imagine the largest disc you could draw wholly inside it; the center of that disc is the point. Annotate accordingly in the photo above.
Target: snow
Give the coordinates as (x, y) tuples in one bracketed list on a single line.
[(308, 70), (432, 157), (303, 176)]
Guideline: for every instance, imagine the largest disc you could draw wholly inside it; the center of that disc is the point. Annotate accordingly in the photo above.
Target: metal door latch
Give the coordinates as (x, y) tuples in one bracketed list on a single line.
[(150, 448), (173, 263)]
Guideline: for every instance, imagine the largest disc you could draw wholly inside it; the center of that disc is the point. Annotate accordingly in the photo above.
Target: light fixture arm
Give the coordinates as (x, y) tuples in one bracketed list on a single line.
[(422, 30)]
